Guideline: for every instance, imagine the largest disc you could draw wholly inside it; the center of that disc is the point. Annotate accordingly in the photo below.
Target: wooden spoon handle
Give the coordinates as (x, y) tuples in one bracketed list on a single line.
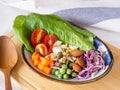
[(7, 80)]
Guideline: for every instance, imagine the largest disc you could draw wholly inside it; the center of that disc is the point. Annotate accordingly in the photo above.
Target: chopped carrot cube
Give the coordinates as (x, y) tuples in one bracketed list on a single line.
[(35, 56), (44, 61), (51, 63), (47, 70), (40, 67), (48, 57), (36, 62)]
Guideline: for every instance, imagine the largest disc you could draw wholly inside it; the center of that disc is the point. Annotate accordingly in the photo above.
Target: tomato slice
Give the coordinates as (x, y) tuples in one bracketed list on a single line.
[(45, 40), (42, 49), (50, 49), (37, 36), (49, 40)]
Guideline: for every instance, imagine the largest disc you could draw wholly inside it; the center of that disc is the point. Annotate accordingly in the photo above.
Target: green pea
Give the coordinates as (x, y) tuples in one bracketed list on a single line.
[(57, 72), (62, 70), (64, 66), (68, 71), (70, 65), (60, 76), (74, 74), (53, 71), (65, 76)]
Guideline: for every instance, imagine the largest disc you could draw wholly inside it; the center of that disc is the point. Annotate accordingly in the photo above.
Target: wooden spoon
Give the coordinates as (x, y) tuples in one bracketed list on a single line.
[(8, 59)]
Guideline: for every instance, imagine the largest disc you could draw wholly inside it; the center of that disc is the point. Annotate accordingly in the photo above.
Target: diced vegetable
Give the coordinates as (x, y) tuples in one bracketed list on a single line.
[(35, 56), (51, 63), (47, 70), (40, 67), (44, 61), (43, 64), (36, 62)]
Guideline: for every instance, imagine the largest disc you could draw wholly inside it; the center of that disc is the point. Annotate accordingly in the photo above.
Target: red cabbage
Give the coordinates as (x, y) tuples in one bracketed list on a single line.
[(94, 63)]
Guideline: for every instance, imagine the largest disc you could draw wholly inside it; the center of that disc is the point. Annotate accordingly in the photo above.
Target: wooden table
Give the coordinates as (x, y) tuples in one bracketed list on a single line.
[(30, 80)]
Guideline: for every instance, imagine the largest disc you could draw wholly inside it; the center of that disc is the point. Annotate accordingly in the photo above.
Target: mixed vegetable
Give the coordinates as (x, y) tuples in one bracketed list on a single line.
[(64, 61), (58, 47)]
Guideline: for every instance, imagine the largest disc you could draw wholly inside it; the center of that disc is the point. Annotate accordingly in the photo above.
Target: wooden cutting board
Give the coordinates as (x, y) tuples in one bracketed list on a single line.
[(31, 80)]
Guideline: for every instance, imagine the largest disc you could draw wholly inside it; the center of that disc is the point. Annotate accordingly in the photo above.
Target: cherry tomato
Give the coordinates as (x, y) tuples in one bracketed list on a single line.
[(50, 49), (37, 36), (42, 49), (49, 40)]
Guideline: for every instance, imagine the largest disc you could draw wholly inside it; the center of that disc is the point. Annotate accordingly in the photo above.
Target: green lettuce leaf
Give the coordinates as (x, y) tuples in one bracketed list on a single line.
[(22, 34), (66, 32)]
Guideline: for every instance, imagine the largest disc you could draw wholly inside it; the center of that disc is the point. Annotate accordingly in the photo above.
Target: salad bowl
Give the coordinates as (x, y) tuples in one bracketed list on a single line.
[(59, 50), (99, 45)]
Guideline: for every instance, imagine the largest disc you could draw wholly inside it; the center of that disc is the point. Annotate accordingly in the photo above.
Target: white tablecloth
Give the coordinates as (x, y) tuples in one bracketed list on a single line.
[(108, 30)]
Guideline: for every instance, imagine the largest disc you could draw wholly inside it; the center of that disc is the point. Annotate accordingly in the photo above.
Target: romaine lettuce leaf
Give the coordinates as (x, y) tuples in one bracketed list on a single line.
[(53, 24), (22, 34)]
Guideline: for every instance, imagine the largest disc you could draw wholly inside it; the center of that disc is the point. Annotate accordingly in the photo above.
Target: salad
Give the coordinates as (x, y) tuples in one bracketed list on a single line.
[(64, 61), (58, 48)]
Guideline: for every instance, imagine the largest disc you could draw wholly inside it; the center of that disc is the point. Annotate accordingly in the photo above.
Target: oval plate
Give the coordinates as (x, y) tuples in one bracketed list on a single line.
[(99, 45)]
